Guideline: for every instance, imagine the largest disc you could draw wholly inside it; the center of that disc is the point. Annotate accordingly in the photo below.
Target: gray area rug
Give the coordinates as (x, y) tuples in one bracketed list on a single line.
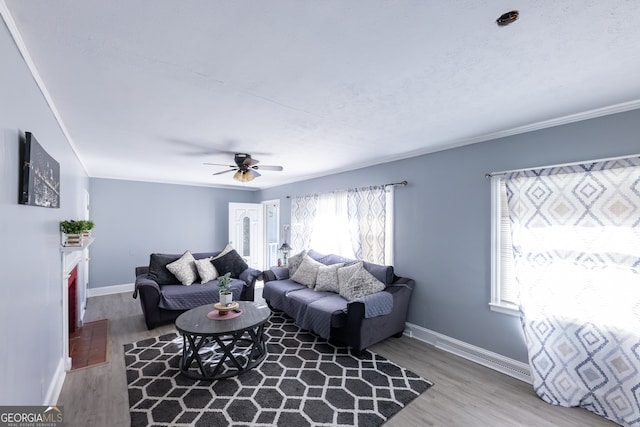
[(303, 381)]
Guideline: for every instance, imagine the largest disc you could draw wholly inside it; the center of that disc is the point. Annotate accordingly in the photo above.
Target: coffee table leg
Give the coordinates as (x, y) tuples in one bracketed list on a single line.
[(191, 352), (259, 347)]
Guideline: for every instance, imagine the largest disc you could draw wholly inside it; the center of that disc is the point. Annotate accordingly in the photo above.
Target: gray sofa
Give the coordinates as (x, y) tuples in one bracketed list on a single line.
[(163, 298), (358, 323)]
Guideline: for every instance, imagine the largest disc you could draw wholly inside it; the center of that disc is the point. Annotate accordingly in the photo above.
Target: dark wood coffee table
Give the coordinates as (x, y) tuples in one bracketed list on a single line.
[(214, 349)]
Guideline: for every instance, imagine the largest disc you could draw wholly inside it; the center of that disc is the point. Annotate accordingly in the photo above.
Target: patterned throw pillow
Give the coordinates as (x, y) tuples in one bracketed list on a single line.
[(231, 262), (294, 262), (327, 279), (206, 270), (361, 283), (307, 272), (184, 268), (345, 273)]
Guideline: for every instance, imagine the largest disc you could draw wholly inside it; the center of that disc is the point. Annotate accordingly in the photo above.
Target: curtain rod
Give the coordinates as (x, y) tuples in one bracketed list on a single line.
[(488, 175), (401, 183)]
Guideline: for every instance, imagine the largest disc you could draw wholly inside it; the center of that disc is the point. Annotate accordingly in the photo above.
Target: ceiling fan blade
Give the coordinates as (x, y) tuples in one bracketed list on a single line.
[(218, 164), (250, 162), (225, 171), (268, 168), (254, 173)]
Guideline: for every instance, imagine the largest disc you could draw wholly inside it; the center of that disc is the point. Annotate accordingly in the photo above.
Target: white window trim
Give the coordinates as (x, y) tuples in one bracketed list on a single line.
[(497, 304)]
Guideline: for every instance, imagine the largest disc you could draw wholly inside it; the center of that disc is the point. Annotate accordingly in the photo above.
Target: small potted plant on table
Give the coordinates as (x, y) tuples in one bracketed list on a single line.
[(226, 297)]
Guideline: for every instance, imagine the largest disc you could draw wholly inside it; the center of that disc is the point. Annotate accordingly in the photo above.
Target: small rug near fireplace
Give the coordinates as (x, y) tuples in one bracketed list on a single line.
[(89, 345), (303, 381)]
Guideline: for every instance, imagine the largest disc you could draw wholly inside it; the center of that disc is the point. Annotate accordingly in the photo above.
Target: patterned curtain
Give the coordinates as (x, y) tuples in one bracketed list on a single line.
[(350, 223), (367, 219), (576, 240), (303, 214)]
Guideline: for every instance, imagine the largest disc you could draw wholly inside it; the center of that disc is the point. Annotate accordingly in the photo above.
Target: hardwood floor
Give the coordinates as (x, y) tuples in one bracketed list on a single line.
[(464, 394)]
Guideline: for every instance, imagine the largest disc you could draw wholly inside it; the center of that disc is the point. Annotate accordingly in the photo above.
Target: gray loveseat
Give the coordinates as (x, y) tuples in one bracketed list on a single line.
[(163, 297), (354, 321)]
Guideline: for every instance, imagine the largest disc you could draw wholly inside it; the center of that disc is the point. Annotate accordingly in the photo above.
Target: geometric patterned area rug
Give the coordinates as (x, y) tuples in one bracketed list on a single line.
[(303, 381)]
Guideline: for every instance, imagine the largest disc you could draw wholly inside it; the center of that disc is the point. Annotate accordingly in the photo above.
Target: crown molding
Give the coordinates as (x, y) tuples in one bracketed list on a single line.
[(22, 48)]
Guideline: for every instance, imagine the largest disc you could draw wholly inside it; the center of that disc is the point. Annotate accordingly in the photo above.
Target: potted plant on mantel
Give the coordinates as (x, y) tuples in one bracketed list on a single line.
[(73, 231), (226, 297)]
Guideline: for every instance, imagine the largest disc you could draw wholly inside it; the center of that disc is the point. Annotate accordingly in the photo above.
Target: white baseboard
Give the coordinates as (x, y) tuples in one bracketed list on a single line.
[(51, 397), (110, 290), (498, 362)]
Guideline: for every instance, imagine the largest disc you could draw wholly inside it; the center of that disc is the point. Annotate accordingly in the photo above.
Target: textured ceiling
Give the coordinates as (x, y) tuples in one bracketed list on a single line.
[(150, 89)]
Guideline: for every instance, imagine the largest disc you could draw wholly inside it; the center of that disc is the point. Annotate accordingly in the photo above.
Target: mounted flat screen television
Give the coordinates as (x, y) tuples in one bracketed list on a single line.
[(40, 178)]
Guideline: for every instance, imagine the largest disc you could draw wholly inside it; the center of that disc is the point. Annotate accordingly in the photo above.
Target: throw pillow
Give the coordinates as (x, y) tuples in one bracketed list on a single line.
[(327, 279), (361, 283), (225, 251), (294, 262), (158, 269), (184, 268), (206, 270), (231, 262), (345, 273), (307, 272)]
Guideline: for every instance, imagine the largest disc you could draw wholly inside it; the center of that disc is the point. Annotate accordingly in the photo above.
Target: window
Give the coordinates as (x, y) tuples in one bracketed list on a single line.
[(355, 223), (504, 293), (564, 203)]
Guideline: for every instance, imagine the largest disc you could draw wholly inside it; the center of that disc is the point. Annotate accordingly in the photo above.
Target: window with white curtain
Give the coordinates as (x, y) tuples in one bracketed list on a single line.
[(504, 292), (355, 223), (331, 233), (504, 289)]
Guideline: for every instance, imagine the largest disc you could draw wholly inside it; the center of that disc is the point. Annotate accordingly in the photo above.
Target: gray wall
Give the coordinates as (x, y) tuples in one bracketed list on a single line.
[(134, 219), (31, 286), (443, 219)]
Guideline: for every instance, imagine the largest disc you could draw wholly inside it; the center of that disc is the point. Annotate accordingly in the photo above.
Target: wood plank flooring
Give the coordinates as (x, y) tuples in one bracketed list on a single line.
[(464, 394)]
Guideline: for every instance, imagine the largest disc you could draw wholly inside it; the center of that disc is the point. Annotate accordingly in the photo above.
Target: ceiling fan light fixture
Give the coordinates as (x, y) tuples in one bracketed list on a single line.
[(243, 176)]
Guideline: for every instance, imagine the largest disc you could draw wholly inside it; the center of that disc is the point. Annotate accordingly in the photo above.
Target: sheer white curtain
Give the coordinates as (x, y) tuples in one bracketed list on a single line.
[(353, 223), (576, 239), (331, 229)]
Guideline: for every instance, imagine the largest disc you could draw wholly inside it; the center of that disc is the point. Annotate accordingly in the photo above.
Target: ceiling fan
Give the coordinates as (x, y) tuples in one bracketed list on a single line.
[(246, 167)]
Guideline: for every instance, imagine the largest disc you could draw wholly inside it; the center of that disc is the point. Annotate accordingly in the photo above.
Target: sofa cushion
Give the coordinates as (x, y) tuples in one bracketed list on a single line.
[(361, 283), (345, 273), (158, 268), (184, 268), (225, 251), (294, 262), (315, 254), (383, 273), (299, 300), (276, 291), (178, 297), (307, 273), (231, 262), (206, 270), (327, 279), (319, 310)]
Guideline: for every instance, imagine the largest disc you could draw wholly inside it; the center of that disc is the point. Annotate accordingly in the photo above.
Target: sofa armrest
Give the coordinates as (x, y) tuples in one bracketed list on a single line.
[(377, 304), (146, 285), (142, 270), (250, 275), (275, 273)]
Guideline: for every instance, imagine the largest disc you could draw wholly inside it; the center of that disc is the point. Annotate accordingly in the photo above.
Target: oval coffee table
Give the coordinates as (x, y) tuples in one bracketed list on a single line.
[(214, 349)]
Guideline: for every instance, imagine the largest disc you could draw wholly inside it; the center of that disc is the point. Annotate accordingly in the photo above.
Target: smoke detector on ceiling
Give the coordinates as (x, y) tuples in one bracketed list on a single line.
[(507, 18)]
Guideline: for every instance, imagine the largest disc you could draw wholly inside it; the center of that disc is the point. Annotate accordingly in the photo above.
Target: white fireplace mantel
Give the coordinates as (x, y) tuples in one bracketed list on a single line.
[(73, 256)]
